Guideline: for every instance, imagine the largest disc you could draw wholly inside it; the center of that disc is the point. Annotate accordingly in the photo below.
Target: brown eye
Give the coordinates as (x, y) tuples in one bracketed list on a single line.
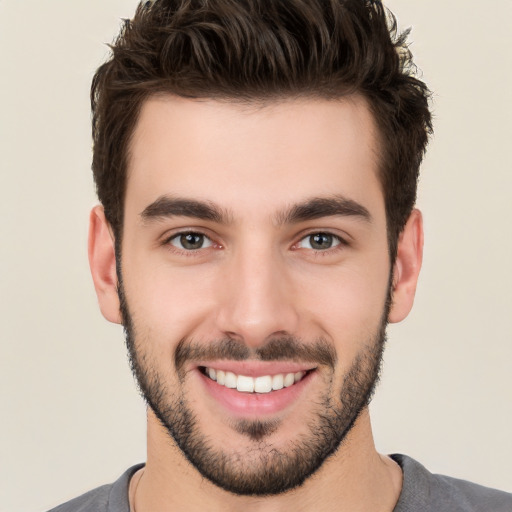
[(190, 241)]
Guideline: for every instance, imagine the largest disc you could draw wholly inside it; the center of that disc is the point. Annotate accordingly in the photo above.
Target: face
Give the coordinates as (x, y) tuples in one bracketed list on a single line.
[(255, 281)]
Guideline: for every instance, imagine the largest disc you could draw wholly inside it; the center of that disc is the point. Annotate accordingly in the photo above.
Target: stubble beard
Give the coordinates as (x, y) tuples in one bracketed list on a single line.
[(264, 469)]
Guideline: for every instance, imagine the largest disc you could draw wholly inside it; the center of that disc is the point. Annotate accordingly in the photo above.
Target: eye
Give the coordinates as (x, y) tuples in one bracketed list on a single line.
[(190, 241), (319, 241)]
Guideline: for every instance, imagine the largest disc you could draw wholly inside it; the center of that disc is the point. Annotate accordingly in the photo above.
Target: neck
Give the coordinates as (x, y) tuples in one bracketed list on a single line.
[(356, 479)]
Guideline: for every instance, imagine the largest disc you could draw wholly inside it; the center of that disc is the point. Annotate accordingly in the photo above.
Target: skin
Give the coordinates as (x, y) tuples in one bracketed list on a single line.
[(259, 277)]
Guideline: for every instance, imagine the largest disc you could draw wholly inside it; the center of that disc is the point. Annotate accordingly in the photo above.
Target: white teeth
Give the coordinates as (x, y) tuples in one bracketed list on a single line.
[(289, 380), (263, 384), (245, 384), (230, 380), (277, 382)]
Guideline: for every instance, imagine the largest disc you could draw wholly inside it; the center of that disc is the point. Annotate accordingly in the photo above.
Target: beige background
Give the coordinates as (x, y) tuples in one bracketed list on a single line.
[(71, 418)]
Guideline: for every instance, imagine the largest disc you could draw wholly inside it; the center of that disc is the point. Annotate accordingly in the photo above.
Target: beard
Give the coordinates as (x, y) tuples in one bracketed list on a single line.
[(263, 469)]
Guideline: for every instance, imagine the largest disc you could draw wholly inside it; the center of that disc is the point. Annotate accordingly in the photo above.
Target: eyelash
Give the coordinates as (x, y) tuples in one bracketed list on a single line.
[(188, 252), (341, 243)]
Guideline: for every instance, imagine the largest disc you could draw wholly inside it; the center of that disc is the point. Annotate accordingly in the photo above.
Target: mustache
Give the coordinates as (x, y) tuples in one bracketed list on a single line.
[(283, 348)]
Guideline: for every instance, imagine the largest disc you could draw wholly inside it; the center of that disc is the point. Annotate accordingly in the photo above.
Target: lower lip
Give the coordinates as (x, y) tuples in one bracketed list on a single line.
[(255, 404)]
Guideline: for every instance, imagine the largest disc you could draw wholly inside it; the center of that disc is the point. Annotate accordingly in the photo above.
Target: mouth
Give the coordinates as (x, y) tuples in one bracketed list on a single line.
[(254, 391), (247, 384)]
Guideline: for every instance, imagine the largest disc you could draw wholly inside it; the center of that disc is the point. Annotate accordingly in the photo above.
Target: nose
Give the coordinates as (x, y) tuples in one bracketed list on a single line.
[(257, 301)]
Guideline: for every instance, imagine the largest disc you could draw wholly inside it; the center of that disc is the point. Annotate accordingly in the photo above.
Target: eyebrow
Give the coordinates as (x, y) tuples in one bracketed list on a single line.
[(311, 209), (318, 207), (166, 206)]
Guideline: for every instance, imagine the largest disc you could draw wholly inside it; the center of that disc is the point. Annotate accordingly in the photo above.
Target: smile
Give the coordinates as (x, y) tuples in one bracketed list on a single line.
[(260, 384)]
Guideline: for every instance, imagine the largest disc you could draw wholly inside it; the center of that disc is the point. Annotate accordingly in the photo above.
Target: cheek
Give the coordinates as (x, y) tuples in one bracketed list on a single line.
[(347, 306), (167, 303)]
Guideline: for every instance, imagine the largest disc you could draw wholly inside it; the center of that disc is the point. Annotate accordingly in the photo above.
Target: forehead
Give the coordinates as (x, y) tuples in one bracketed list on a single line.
[(247, 157)]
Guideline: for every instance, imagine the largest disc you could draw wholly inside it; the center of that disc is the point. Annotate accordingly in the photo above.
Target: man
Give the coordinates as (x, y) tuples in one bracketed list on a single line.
[(256, 164)]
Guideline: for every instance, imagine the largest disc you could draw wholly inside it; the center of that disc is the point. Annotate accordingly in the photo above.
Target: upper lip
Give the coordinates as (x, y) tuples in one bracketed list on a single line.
[(257, 368)]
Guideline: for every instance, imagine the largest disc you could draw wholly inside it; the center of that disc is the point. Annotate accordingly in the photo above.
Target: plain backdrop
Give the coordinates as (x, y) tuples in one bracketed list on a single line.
[(71, 418)]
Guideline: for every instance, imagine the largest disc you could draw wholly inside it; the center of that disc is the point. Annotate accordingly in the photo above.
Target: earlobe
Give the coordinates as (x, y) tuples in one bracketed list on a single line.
[(102, 260), (407, 267)]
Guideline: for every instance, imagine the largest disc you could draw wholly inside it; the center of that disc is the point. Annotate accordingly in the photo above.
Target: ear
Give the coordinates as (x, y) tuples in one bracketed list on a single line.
[(407, 267), (102, 260)]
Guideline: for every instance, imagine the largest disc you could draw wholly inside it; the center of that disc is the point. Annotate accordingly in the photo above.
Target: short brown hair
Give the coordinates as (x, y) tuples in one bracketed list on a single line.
[(253, 50)]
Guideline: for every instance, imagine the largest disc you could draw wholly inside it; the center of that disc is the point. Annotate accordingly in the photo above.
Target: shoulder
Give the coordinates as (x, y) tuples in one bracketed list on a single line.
[(97, 499), (107, 498), (427, 492)]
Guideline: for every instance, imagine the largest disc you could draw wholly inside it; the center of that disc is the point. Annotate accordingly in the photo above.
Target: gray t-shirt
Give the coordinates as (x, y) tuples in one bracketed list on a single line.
[(421, 492)]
